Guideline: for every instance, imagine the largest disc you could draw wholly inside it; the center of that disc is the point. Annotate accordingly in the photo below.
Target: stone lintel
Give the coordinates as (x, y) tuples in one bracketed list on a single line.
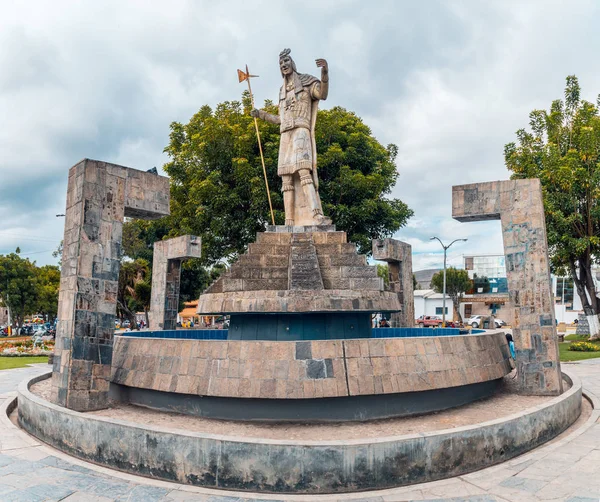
[(184, 247), (390, 250)]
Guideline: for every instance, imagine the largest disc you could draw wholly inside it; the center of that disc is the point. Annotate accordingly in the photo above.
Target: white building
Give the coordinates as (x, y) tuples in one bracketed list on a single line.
[(567, 306), (493, 295), (428, 302)]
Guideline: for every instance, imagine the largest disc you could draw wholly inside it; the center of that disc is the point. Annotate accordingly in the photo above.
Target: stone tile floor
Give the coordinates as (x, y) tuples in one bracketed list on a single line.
[(566, 470)]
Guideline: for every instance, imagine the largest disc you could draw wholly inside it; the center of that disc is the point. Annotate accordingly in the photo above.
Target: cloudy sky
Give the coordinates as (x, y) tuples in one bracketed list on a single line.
[(448, 82)]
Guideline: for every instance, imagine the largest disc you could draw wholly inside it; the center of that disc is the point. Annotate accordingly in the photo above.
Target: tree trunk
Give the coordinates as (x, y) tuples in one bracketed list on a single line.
[(129, 314), (456, 305), (584, 283)]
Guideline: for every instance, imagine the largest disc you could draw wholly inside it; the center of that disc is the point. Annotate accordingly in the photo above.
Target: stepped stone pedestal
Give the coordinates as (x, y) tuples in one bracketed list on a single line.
[(299, 283)]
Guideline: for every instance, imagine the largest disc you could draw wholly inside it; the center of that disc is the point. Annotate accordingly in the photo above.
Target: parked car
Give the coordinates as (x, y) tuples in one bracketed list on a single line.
[(429, 321), (476, 320)]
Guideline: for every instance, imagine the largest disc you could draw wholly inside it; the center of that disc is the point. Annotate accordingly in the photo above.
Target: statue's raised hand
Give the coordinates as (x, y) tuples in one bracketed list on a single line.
[(255, 113), (321, 63)]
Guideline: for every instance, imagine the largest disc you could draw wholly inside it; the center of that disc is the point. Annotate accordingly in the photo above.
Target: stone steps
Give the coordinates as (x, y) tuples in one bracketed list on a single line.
[(258, 273), (230, 284), (268, 249), (256, 260), (371, 284), (336, 248), (317, 237), (304, 267), (299, 261), (352, 260)]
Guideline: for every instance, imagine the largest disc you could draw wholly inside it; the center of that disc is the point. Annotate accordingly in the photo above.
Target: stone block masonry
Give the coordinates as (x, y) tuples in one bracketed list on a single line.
[(298, 270), (99, 197), (166, 274), (519, 206), (398, 256), (309, 369)]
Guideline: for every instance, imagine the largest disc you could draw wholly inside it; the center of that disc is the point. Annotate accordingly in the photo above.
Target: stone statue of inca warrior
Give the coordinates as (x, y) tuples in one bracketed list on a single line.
[(298, 102)]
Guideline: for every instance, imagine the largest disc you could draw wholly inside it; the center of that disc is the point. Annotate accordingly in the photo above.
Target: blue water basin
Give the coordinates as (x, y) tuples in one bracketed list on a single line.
[(221, 334)]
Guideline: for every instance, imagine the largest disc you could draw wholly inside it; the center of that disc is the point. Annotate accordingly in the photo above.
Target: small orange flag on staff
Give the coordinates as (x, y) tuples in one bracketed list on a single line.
[(245, 76)]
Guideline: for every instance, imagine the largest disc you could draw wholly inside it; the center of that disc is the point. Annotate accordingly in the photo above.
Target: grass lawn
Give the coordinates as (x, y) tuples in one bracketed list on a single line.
[(571, 355), (7, 363), (577, 338)]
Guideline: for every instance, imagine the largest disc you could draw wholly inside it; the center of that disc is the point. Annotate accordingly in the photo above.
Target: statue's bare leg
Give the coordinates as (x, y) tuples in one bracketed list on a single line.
[(308, 185), (288, 198)]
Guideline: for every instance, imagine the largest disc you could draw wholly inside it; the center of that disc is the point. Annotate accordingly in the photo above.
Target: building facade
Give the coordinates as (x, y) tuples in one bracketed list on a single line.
[(428, 302), (489, 295)]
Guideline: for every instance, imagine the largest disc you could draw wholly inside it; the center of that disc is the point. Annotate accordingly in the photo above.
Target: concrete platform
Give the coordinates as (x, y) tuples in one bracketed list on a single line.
[(301, 466), (563, 470)]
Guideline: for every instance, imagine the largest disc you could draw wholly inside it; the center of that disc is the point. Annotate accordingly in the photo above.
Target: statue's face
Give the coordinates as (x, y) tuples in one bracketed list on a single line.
[(285, 64)]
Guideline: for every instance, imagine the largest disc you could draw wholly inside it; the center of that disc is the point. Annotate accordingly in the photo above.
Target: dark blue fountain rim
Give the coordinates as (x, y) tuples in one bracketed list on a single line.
[(221, 334)]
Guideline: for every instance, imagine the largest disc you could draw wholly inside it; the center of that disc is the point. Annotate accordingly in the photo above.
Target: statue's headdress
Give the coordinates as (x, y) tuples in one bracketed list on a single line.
[(284, 53)]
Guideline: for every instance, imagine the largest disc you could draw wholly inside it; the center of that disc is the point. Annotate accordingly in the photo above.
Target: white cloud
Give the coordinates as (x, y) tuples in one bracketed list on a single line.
[(448, 82)]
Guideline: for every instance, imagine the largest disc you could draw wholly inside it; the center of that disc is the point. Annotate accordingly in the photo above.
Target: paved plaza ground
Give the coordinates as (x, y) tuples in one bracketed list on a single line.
[(566, 470)]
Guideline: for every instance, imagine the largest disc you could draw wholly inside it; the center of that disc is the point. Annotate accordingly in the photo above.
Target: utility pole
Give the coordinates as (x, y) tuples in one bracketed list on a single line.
[(9, 317), (563, 299), (444, 287)]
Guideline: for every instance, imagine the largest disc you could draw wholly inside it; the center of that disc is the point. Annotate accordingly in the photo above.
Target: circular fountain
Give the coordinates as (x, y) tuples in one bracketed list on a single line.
[(293, 361)]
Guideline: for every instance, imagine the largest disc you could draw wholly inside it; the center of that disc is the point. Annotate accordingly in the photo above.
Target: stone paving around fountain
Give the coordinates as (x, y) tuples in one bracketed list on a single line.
[(565, 470)]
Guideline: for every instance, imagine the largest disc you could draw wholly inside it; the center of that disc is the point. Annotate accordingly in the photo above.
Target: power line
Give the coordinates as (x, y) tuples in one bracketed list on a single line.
[(31, 252), (2, 233)]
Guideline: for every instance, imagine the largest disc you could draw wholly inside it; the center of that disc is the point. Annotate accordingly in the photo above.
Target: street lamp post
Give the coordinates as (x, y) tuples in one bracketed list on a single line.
[(444, 286)]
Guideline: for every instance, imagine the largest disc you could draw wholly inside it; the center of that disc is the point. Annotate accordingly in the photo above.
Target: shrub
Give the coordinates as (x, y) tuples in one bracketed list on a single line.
[(584, 347)]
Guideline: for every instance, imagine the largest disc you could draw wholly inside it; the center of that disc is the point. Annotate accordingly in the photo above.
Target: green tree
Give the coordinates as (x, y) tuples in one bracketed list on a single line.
[(58, 252), (383, 271), (133, 292), (562, 149), (218, 190), (19, 287), (457, 282), (48, 279)]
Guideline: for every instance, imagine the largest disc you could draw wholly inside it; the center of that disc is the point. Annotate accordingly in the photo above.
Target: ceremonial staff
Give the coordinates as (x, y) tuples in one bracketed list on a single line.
[(246, 76)]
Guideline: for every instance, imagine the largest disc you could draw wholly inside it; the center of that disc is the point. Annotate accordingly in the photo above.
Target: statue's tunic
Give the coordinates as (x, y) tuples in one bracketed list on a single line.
[(297, 112)]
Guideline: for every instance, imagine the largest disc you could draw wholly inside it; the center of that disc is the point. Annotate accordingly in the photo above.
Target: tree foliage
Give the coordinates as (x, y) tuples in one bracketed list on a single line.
[(133, 293), (457, 282), (383, 271), (562, 149), (48, 279), (218, 190), (26, 289)]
